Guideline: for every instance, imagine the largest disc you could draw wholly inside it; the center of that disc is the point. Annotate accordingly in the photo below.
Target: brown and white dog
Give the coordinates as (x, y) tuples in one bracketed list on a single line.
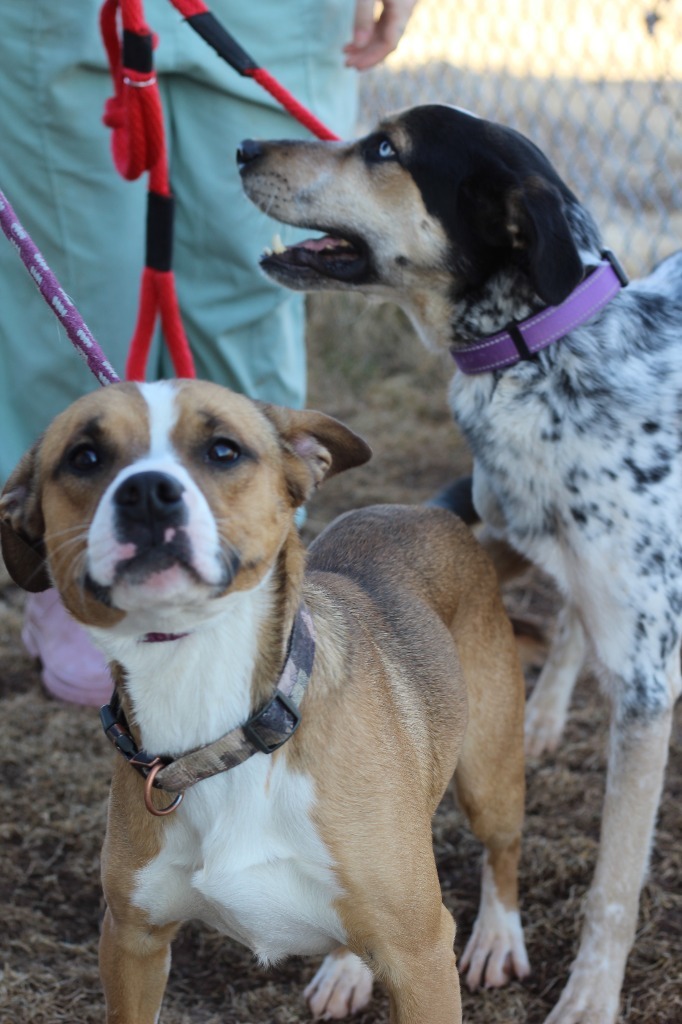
[(164, 514)]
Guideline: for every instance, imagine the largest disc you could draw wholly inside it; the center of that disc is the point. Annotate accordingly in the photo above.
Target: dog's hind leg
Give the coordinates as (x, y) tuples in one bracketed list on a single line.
[(341, 986), (134, 961), (490, 787), (457, 497), (548, 704)]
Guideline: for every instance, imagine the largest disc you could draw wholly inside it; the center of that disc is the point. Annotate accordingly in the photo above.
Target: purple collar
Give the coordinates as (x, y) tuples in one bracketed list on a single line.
[(521, 340)]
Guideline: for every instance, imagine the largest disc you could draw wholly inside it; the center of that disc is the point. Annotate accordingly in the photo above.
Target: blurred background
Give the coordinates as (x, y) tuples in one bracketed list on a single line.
[(596, 86)]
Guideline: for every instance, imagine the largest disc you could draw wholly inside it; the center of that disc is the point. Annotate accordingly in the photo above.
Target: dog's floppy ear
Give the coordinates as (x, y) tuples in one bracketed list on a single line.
[(22, 526), (318, 447), (536, 223)]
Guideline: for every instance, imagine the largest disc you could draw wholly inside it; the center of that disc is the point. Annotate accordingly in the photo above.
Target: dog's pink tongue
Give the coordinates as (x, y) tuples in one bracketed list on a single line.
[(319, 244)]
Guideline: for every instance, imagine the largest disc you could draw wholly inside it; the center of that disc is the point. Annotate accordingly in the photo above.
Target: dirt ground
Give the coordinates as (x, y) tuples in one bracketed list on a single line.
[(367, 369)]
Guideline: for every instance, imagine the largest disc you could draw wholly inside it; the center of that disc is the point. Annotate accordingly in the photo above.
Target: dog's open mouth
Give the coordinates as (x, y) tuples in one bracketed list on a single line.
[(153, 552), (155, 563), (157, 575), (332, 257)]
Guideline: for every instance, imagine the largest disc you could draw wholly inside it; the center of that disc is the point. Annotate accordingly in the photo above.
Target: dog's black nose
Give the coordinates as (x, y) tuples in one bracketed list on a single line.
[(150, 497), (248, 151)]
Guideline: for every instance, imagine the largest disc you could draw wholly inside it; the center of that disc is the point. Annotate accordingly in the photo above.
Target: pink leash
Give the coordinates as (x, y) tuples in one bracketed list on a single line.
[(55, 296)]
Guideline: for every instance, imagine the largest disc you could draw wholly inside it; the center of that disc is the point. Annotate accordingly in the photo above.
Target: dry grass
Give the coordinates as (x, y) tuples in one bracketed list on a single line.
[(367, 369)]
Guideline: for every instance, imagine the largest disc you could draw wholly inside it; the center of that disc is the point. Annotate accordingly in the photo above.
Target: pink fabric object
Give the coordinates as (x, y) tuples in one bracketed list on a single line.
[(72, 667)]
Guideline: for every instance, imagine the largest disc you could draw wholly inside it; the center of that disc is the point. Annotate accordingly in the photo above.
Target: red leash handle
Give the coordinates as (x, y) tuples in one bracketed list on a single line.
[(134, 111), (138, 143)]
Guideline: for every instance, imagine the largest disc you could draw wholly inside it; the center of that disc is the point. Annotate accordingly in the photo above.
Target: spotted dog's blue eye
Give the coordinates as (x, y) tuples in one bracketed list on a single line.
[(84, 458), (378, 148), (223, 452)]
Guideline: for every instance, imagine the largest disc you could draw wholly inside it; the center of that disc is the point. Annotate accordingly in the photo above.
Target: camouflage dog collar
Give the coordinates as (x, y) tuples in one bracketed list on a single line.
[(264, 732)]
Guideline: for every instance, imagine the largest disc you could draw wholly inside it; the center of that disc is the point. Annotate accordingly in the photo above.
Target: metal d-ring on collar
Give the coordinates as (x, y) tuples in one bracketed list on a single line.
[(264, 732)]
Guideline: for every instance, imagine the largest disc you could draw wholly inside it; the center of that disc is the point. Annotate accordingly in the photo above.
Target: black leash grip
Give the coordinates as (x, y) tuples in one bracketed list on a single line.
[(138, 52), (159, 252), (210, 29)]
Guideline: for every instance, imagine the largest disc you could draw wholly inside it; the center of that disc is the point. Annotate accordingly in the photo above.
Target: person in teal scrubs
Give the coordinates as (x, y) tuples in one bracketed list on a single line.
[(57, 172)]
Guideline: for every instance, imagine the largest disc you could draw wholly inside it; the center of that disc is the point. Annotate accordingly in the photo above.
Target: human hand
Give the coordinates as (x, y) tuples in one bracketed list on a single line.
[(374, 40)]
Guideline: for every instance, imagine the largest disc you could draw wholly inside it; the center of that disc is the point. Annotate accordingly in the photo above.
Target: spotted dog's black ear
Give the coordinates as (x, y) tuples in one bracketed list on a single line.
[(536, 223), (22, 526)]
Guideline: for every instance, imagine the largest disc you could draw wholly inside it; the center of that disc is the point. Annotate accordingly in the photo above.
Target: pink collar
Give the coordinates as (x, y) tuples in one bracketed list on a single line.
[(521, 340)]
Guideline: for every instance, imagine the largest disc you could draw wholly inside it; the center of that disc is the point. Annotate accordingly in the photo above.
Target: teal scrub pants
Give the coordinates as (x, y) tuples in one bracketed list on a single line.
[(56, 171)]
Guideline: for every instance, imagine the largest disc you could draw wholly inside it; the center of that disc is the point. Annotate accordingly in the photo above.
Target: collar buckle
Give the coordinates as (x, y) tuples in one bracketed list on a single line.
[(617, 266), (116, 729), (273, 719), (514, 331)]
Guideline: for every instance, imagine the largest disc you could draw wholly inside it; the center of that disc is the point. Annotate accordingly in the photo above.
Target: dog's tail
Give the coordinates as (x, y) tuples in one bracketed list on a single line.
[(457, 497)]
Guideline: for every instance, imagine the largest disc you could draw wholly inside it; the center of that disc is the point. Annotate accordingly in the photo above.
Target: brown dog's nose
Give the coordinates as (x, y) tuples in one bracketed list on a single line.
[(149, 498), (249, 150)]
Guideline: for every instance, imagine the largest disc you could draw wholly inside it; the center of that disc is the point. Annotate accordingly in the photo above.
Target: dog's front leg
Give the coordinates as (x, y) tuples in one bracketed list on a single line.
[(547, 707), (422, 981), (134, 960), (636, 766)]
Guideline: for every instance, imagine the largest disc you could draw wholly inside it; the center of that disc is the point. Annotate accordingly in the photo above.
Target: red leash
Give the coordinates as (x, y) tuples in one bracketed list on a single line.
[(138, 144), (205, 24)]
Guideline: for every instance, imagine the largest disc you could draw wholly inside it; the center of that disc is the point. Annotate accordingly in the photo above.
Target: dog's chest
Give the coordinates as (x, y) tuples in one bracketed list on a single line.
[(525, 449), (578, 463), (242, 854)]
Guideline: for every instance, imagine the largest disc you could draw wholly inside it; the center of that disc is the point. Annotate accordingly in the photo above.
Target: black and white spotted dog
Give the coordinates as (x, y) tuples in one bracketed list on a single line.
[(576, 433)]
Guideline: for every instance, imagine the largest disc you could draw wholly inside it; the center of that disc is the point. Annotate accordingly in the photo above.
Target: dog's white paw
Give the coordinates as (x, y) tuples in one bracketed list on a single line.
[(589, 998), (496, 952), (544, 726), (342, 986)]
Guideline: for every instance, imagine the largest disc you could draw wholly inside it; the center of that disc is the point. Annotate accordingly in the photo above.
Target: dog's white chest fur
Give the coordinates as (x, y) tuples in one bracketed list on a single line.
[(242, 855)]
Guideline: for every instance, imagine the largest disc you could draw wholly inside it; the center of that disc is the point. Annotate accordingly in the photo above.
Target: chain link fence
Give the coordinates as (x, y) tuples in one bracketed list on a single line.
[(597, 86)]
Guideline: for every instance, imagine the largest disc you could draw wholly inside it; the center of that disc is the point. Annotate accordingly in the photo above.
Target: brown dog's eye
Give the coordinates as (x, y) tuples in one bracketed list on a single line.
[(84, 458), (223, 452)]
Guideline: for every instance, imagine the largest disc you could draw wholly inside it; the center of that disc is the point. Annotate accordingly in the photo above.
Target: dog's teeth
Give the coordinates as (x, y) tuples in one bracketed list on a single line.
[(278, 245), (267, 251)]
